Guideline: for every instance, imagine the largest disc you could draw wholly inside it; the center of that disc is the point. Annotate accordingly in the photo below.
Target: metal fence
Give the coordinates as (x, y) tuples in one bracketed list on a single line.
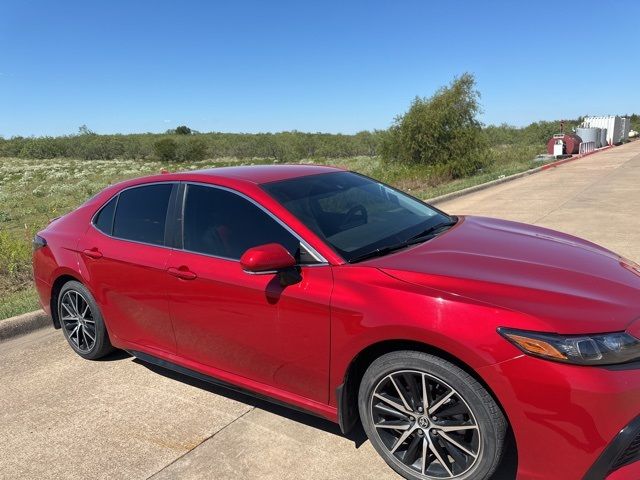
[(586, 147)]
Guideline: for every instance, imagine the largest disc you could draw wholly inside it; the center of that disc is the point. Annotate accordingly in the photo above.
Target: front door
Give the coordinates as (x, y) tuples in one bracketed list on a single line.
[(247, 325)]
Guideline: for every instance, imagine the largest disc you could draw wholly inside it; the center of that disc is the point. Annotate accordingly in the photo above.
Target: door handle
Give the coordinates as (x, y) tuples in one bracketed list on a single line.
[(183, 272), (93, 253)]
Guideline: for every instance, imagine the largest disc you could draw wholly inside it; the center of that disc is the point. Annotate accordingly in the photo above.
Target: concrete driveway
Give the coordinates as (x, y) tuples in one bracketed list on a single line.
[(64, 417)]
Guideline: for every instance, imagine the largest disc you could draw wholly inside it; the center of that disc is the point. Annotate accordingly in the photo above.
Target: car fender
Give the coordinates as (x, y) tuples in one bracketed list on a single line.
[(370, 308)]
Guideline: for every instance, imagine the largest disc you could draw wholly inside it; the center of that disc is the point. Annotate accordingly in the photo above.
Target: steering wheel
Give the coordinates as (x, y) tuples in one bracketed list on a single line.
[(352, 213)]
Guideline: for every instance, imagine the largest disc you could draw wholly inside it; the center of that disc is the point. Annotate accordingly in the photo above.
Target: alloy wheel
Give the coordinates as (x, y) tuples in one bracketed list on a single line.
[(77, 320), (425, 425)]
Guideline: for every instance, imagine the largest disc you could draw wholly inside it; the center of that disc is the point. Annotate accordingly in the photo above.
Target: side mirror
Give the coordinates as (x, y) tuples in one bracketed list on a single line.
[(268, 258)]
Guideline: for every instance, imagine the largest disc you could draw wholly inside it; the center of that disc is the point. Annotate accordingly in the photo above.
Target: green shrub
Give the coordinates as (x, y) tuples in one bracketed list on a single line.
[(15, 260), (165, 149), (138, 147), (440, 131), (102, 148), (191, 150), (43, 147), (12, 147)]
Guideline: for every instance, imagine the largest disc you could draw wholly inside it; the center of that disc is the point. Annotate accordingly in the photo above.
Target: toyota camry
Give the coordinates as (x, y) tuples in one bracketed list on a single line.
[(325, 290)]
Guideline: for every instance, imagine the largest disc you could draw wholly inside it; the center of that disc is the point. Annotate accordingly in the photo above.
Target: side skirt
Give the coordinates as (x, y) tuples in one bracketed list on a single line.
[(145, 357)]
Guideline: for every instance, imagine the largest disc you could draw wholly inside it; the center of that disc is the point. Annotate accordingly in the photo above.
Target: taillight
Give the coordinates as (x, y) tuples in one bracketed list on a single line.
[(38, 242)]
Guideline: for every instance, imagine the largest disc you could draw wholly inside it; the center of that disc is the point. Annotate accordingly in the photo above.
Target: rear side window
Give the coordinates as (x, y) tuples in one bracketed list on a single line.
[(104, 219), (220, 223), (141, 213)]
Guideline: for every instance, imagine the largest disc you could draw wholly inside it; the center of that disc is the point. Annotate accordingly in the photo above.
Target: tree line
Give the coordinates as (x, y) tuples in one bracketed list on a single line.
[(441, 132), (279, 146), (172, 146)]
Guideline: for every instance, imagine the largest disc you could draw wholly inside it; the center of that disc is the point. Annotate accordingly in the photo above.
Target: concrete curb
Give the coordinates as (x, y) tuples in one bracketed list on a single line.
[(515, 176), (23, 324), (482, 186)]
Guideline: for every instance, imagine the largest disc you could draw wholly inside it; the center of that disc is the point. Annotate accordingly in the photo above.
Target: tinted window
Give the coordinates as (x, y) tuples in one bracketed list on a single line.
[(353, 213), (142, 212), (104, 219), (221, 223)]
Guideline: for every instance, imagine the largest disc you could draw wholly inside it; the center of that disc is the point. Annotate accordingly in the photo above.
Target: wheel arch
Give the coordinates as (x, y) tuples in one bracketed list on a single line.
[(347, 392), (56, 286)]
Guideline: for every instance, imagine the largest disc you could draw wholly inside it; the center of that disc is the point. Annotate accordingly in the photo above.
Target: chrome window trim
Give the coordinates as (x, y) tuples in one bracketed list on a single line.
[(312, 251), (235, 260), (263, 272)]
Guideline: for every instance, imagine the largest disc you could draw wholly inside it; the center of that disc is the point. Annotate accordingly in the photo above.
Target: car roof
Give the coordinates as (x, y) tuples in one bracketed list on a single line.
[(233, 177), (264, 173)]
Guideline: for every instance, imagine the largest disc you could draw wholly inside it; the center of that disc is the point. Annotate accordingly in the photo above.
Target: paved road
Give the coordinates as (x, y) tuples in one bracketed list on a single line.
[(596, 197), (64, 417)]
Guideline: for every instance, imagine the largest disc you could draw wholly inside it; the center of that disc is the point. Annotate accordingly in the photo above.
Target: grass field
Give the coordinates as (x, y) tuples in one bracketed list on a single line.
[(34, 191)]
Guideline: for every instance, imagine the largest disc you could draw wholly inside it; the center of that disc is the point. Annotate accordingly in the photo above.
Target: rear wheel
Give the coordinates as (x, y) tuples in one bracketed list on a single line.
[(81, 322), (429, 419)]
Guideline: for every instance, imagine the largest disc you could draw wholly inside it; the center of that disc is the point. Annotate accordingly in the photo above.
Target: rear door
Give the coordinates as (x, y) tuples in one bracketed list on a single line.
[(124, 257), (248, 325)]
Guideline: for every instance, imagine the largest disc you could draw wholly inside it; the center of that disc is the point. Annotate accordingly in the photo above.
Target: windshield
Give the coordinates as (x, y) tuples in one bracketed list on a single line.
[(355, 215)]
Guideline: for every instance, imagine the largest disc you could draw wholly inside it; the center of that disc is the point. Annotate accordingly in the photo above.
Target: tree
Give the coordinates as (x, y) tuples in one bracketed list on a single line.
[(440, 131), (183, 130), (84, 130)]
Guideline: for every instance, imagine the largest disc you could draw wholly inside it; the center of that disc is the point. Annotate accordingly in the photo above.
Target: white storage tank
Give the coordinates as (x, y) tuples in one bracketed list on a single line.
[(588, 134), (603, 137), (612, 123), (626, 128), (598, 137)]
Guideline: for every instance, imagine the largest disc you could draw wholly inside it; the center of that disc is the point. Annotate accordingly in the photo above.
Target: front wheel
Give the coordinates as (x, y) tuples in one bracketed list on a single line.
[(429, 419)]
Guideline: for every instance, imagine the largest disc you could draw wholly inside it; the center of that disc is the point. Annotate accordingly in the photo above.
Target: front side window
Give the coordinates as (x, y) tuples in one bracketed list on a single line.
[(224, 224), (141, 213), (354, 214)]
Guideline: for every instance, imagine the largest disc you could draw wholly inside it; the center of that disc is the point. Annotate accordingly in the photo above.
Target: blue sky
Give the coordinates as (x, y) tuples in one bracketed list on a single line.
[(345, 66)]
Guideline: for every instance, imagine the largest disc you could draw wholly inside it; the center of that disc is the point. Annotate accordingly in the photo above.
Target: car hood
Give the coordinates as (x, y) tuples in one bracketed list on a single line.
[(570, 285)]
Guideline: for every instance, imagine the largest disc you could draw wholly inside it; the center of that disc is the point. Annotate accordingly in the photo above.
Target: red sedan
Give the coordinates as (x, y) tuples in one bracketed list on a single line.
[(348, 299)]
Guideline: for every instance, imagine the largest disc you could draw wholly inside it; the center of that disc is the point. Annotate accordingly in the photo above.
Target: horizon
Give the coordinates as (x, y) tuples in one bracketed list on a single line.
[(214, 132), (250, 67)]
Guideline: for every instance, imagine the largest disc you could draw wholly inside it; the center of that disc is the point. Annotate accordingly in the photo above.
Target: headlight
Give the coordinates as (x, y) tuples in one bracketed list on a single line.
[(606, 349)]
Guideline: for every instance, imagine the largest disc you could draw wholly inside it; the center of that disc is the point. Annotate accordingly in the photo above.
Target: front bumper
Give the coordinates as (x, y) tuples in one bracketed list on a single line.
[(564, 417), (630, 472), (620, 457)]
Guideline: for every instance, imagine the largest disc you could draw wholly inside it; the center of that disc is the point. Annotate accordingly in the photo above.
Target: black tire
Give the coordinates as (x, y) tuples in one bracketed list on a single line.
[(400, 378), (81, 321)]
